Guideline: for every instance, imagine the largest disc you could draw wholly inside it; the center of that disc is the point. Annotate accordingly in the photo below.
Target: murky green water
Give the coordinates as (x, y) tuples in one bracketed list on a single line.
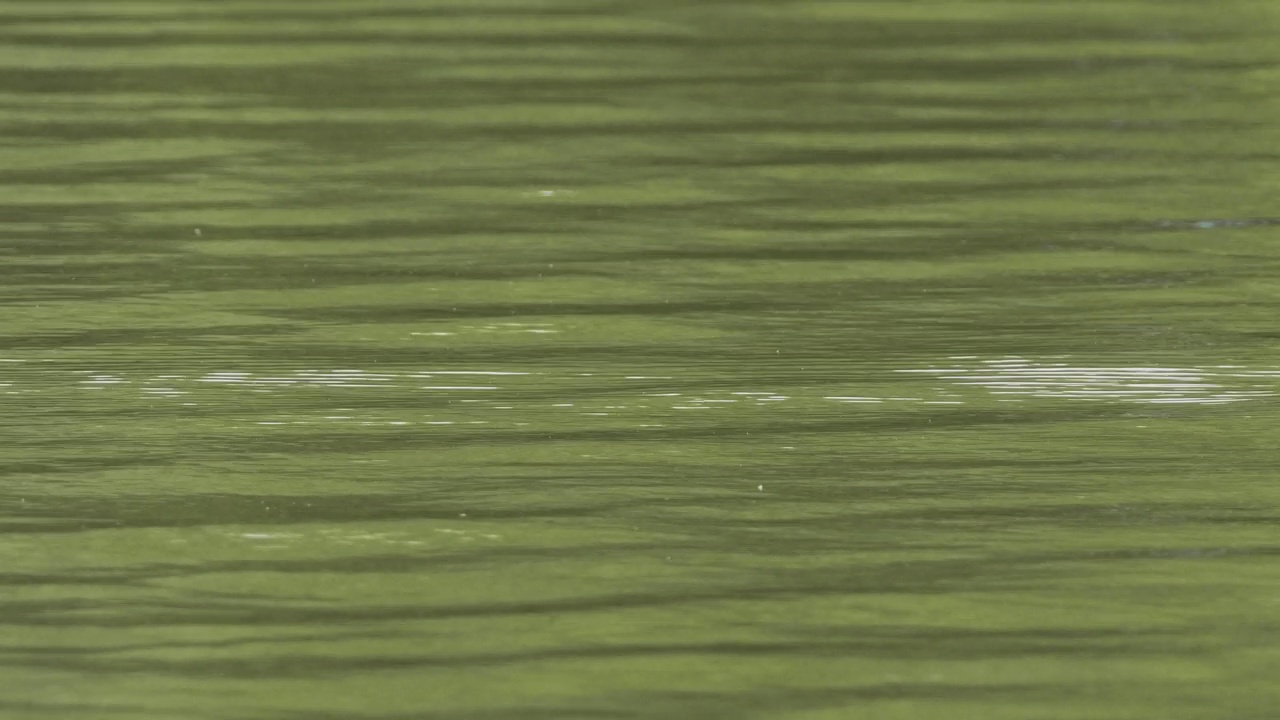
[(588, 359)]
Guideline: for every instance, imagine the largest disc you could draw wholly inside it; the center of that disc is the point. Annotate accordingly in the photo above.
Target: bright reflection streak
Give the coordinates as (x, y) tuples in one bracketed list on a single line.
[(413, 399), (1033, 378)]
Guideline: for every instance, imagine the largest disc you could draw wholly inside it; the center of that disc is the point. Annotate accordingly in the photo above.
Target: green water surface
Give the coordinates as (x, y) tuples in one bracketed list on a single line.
[(557, 359)]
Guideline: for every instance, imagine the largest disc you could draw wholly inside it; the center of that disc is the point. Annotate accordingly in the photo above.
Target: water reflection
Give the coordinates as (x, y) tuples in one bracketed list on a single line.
[(448, 396), (1022, 378)]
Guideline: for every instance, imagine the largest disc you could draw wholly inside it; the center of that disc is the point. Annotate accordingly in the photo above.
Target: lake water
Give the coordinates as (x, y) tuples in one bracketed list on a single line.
[(587, 359)]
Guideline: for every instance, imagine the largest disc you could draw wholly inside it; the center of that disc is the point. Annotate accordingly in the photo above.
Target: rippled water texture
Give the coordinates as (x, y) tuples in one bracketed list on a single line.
[(590, 359)]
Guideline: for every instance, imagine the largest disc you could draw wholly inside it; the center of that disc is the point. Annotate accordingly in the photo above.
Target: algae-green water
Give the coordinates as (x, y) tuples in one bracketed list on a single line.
[(639, 360)]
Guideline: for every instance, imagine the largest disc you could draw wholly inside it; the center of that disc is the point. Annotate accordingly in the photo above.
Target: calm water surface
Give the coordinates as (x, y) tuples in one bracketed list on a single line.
[(591, 359)]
